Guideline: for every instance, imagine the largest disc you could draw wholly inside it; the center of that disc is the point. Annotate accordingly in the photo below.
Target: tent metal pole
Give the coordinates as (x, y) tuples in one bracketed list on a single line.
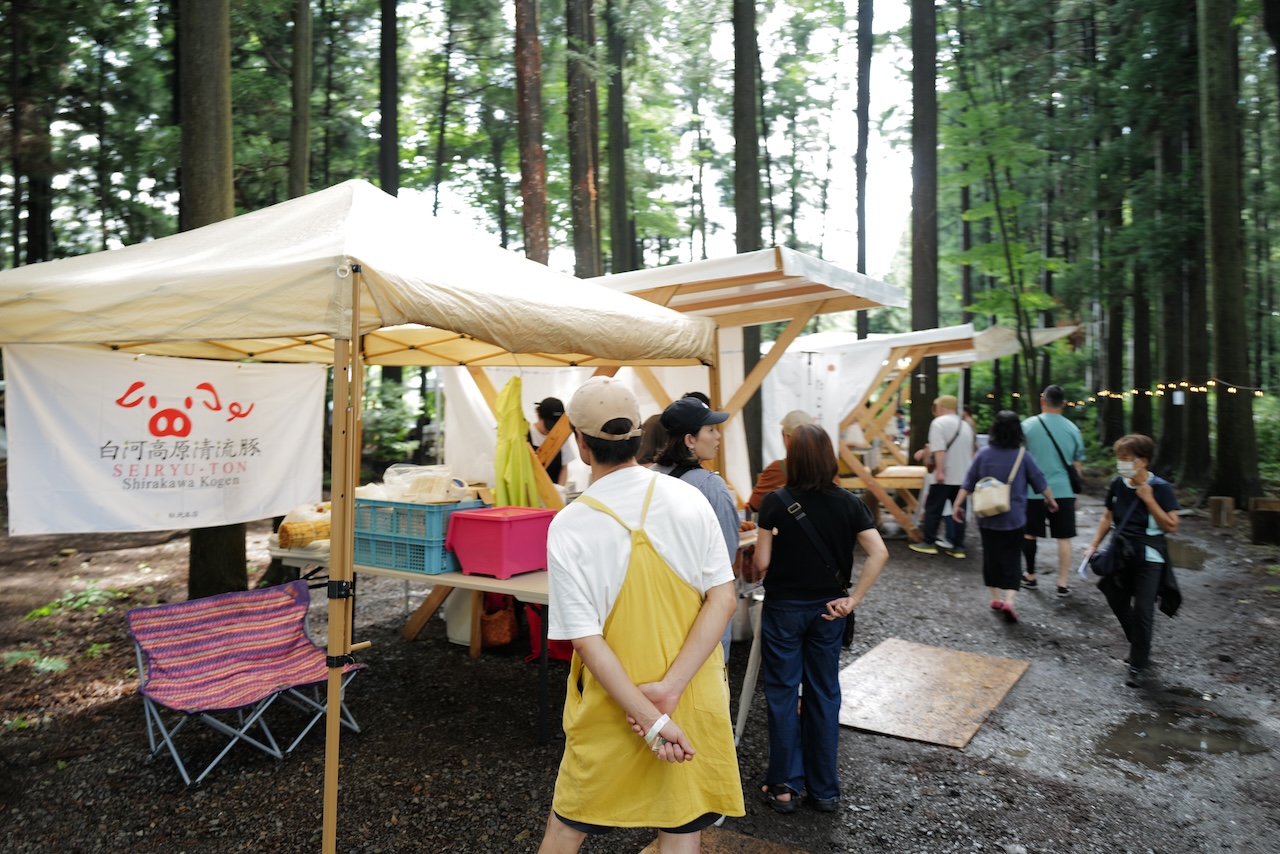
[(348, 372)]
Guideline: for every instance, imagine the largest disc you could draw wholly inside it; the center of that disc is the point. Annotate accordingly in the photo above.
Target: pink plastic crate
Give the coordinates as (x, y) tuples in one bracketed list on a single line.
[(499, 541)]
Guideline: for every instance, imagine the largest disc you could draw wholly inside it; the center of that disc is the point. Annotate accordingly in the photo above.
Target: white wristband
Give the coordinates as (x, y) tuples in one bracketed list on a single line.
[(656, 728)]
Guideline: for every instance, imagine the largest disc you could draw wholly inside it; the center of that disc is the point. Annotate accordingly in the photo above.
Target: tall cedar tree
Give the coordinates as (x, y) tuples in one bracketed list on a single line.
[(1235, 470), (533, 160), (217, 559), (300, 90), (584, 132), (866, 45), (924, 206), (746, 191)]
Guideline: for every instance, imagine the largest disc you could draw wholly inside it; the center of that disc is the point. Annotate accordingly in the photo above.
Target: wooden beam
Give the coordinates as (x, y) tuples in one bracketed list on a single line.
[(555, 440), (753, 380), (786, 311), (487, 390), (869, 481), (546, 489), (654, 387)]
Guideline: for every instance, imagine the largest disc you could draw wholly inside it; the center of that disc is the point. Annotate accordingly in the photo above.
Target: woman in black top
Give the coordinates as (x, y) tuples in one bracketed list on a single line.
[(804, 613)]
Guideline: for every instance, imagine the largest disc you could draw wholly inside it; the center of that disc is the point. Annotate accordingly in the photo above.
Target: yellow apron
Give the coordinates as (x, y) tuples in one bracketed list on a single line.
[(608, 776)]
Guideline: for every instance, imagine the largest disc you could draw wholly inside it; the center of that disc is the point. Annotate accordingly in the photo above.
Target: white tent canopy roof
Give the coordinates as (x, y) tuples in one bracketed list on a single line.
[(996, 342), (271, 285), (756, 287)]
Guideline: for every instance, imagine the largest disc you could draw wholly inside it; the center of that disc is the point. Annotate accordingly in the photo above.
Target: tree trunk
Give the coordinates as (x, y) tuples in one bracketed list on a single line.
[(389, 102), (866, 47), (1141, 409), (442, 113), (623, 252), (583, 167), (217, 559), (300, 124), (924, 206), (1235, 470), (38, 159), (533, 160), (1171, 332), (746, 194), (17, 98), (1271, 22)]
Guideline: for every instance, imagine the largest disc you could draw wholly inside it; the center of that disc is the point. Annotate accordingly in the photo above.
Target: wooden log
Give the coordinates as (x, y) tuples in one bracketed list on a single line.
[(1222, 511), (1264, 521)]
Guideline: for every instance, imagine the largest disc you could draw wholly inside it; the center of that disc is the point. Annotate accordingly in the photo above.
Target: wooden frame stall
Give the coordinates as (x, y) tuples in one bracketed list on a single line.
[(873, 412), (767, 286)]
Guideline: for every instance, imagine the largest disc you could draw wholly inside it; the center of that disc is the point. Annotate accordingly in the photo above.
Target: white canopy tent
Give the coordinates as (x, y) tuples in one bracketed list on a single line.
[(830, 373), (996, 342), (313, 279)]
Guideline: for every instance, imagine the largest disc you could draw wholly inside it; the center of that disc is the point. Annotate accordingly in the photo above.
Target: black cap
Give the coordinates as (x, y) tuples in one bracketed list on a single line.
[(689, 415), (550, 408)]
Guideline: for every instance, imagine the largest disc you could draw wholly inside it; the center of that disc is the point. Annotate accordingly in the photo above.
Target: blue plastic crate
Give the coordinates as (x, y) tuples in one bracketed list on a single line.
[(411, 554), (421, 521)]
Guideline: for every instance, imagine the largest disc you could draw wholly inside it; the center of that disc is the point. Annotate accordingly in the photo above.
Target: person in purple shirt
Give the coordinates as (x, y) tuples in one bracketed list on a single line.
[(1002, 533)]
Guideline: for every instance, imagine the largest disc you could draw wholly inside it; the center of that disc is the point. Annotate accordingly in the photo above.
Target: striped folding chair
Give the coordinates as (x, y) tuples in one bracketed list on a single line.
[(223, 661)]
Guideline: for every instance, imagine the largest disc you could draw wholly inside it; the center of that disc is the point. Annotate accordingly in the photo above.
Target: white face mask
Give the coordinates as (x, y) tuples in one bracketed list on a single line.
[(1126, 469)]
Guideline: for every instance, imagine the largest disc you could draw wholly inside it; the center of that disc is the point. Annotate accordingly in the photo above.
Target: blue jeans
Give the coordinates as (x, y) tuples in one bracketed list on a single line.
[(799, 647), (939, 494)]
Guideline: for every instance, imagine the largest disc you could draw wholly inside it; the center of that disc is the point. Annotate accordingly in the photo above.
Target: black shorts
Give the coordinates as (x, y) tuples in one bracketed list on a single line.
[(1061, 525), (702, 822)]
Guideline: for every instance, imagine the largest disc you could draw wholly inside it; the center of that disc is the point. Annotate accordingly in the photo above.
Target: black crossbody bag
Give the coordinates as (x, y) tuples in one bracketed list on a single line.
[(1077, 484), (797, 513)]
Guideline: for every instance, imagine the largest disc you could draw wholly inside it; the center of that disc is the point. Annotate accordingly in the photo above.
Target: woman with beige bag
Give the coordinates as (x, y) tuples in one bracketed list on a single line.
[(1007, 470)]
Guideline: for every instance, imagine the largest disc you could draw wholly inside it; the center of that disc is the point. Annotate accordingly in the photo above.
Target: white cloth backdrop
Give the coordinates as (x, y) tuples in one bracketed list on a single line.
[(827, 373), (119, 442), (470, 431)]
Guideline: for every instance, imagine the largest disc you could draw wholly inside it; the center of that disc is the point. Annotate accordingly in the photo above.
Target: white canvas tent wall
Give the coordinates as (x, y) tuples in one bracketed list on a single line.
[(304, 279), (470, 424), (841, 379), (830, 373)]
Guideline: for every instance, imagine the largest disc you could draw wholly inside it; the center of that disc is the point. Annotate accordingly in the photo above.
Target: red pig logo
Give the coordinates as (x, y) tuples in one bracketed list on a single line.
[(173, 421)]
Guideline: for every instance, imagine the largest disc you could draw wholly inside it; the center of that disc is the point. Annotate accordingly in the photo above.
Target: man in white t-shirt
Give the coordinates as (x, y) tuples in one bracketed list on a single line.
[(603, 601), (951, 442)]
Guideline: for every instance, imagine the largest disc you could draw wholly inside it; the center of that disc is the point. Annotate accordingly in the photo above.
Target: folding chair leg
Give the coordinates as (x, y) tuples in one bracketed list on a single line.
[(318, 707), (236, 734)]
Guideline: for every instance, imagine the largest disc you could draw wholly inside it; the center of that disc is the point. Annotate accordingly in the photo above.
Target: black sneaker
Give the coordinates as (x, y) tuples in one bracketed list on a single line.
[(1029, 582), (1136, 678), (1064, 592)]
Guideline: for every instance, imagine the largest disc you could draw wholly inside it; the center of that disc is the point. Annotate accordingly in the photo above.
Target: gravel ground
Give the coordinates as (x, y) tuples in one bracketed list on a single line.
[(448, 759)]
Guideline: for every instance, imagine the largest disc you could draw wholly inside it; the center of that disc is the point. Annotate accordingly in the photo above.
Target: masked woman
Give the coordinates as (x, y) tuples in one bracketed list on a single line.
[(1146, 507), (804, 547)]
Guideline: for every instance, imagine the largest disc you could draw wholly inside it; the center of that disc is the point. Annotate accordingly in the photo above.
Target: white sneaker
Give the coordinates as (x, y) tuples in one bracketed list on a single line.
[(943, 543)]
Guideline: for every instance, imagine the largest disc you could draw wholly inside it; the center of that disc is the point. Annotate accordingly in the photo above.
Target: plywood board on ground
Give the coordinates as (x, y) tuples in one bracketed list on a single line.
[(924, 693)]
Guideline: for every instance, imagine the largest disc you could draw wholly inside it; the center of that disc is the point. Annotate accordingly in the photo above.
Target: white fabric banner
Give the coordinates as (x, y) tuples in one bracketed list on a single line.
[(103, 441)]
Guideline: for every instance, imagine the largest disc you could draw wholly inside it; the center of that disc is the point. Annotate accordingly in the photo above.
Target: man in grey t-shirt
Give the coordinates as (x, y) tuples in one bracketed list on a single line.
[(951, 442)]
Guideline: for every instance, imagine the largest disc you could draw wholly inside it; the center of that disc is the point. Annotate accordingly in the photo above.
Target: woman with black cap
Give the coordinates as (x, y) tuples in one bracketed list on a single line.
[(549, 411), (692, 437)]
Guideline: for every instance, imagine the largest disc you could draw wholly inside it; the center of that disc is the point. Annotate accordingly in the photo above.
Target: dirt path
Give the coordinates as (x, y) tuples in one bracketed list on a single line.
[(448, 759)]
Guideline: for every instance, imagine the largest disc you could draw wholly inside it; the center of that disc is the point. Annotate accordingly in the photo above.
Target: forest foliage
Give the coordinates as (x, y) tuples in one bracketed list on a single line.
[(1070, 159)]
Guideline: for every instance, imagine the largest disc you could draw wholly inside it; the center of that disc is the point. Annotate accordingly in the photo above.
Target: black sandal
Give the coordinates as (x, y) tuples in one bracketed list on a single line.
[(769, 794)]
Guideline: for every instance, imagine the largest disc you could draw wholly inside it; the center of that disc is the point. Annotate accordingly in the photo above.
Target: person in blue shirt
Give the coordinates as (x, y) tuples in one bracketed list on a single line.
[(1147, 509), (1056, 444)]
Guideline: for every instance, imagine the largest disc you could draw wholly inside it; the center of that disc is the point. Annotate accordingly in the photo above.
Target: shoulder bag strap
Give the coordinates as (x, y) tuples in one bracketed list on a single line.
[(797, 513), (1049, 433), (1127, 514), (1014, 473)]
